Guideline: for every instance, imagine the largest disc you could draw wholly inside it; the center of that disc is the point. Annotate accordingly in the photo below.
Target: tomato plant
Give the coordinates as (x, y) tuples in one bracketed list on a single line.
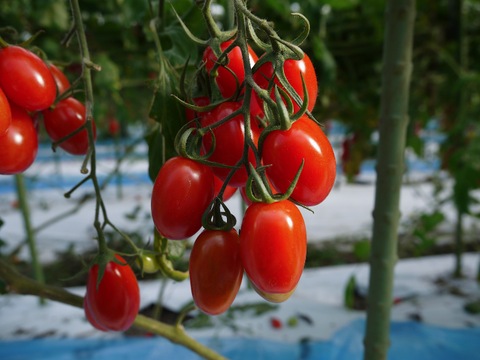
[(5, 113), (215, 270), (283, 152), (229, 190), (182, 191), (26, 79), (67, 116), (231, 68), (229, 142), (19, 144), (294, 70), (273, 245), (62, 82), (114, 303)]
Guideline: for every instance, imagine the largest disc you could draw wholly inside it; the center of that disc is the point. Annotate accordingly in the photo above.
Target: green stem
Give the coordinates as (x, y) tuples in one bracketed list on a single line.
[(30, 234), (458, 245), (397, 67), (22, 285)]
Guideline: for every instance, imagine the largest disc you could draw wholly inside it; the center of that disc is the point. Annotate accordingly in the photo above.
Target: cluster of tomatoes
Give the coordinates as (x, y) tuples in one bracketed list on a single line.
[(271, 245), (29, 87)]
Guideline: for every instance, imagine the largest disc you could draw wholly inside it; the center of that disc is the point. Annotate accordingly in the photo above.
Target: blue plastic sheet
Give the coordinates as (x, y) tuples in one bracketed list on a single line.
[(410, 340)]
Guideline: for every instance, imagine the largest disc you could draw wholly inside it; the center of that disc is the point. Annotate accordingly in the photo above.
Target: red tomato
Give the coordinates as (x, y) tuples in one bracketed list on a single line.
[(115, 302), (234, 65), (91, 319), (229, 190), (19, 144), (229, 142), (5, 113), (215, 270), (66, 117), (283, 152), (273, 246), (113, 127), (181, 194), (293, 70), (62, 82), (26, 79)]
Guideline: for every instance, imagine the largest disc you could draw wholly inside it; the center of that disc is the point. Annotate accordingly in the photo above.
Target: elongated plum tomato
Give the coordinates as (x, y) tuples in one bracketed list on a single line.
[(303, 141), (19, 144), (62, 82), (67, 116), (225, 78), (182, 191), (229, 142), (26, 79), (114, 303), (294, 70), (215, 270), (5, 113), (273, 246)]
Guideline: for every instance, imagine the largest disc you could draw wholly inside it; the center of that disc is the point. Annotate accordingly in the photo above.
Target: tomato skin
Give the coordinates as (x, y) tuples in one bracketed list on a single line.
[(114, 304), (67, 116), (224, 78), (273, 246), (293, 70), (5, 113), (62, 82), (181, 194), (26, 79), (229, 142), (215, 270), (91, 319), (283, 152), (199, 101), (19, 144), (229, 190)]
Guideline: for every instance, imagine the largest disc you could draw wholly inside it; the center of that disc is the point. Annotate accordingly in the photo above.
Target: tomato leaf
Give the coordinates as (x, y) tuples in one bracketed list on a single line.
[(169, 114)]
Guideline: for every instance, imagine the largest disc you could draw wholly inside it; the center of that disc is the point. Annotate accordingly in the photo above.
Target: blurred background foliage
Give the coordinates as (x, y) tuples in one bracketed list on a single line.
[(345, 45)]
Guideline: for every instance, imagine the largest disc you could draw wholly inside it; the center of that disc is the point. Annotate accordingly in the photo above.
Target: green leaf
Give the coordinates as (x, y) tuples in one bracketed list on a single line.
[(170, 115), (349, 295)]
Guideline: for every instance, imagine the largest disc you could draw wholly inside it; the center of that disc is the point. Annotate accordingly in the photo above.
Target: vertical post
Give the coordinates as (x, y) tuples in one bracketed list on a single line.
[(397, 67), (25, 209)]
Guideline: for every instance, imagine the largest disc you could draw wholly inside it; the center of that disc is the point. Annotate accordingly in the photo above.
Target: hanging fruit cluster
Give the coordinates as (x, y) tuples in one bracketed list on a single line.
[(250, 127), (29, 87)]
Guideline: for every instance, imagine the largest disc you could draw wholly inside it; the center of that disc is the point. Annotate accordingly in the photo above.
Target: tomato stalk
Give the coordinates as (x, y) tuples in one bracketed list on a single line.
[(20, 284), (30, 233), (397, 57)]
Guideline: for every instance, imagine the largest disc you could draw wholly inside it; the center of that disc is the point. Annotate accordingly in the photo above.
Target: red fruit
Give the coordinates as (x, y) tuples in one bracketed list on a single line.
[(19, 144), (65, 118), (26, 79)]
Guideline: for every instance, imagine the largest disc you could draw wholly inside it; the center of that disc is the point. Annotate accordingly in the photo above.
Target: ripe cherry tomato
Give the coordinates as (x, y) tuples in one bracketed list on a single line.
[(229, 142), (273, 246), (19, 144), (62, 82), (26, 79), (114, 127), (234, 65), (181, 194), (215, 270), (5, 113), (114, 304), (229, 190), (66, 117), (283, 152), (293, 70)]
